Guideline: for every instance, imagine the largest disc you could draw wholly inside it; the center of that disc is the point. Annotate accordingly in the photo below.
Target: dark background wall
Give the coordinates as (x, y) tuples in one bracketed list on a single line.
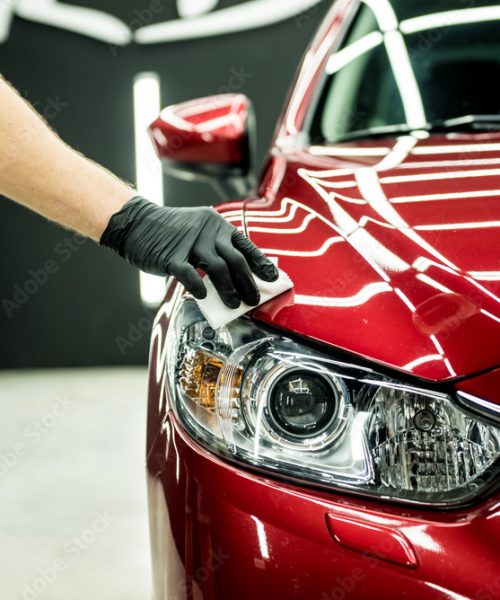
[(80, 310)]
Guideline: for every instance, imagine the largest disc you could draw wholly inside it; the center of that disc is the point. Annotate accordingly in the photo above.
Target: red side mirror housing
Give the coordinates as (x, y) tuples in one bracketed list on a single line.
[(205, 133)]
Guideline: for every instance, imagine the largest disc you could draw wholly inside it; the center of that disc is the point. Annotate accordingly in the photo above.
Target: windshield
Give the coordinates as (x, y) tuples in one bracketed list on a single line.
[(407, 64)]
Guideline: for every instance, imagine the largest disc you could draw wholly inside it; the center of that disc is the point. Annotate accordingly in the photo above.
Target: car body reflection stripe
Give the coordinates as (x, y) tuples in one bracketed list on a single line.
[(448, 196), (305, 253), (369, 291), (302, 227), (457, 149), (421, 177), (453, 226), (422, 361)]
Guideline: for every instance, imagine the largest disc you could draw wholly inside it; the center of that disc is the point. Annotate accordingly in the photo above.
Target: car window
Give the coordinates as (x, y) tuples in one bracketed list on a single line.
[(425, 68)]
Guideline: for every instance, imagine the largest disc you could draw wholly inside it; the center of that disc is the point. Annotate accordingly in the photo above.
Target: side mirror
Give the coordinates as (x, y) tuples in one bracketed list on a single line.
[(210, 139)]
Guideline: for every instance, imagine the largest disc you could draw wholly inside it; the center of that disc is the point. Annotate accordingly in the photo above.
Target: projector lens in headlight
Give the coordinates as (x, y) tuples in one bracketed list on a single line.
[(302, 403), (268, 402)]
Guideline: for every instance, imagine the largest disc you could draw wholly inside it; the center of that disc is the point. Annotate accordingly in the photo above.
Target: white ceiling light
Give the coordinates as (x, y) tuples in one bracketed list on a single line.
[(450, 18), (195, 8)]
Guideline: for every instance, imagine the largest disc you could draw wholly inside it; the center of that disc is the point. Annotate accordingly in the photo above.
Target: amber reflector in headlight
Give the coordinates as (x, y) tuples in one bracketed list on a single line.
[(198, 374), (279, 406)]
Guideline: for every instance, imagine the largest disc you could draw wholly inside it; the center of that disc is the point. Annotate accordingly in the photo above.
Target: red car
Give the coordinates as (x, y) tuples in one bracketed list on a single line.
[(343, 440)]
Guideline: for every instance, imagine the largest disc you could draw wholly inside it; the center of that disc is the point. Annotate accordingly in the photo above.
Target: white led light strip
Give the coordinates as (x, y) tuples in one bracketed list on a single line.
[(149, 178)]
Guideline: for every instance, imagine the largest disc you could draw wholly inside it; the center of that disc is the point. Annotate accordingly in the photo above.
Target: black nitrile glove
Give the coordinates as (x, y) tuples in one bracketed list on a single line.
[(174, 241)]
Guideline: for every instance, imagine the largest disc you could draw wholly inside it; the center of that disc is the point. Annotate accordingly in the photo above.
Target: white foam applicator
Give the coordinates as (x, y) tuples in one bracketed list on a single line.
[(218, 314)]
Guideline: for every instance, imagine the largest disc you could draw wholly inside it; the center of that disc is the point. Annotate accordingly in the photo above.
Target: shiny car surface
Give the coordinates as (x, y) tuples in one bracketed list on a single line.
[(342, 441)]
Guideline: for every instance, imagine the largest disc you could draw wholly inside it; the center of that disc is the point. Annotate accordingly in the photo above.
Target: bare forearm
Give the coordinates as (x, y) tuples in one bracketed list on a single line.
[(39, 170)]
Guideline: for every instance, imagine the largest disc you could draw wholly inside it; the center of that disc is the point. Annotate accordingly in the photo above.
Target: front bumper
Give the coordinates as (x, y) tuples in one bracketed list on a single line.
[(221, 533)]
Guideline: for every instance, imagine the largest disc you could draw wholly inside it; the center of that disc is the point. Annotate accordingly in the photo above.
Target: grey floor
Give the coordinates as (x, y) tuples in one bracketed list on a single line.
[(73, 520)]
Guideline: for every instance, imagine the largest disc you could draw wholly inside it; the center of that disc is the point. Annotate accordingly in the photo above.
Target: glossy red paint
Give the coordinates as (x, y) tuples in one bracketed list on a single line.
[(390, 258), (221, 533), (369, 537), (207, 130), (485, 386), (393, 248)]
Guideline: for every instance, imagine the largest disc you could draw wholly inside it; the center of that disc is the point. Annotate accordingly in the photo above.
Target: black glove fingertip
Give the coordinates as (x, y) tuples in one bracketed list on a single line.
[(253, 301), (200, 294), (268, 272), (232, 301)]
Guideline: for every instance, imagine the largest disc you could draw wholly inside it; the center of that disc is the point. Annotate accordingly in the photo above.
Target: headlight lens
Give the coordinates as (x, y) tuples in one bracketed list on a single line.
[(302, 404), (266, 401)]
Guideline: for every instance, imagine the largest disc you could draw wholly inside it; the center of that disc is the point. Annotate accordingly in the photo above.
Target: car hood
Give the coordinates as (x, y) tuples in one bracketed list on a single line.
[(393, 247)]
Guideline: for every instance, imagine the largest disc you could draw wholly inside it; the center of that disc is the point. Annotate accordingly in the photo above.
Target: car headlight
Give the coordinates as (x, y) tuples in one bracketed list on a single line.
[(267, 401)]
